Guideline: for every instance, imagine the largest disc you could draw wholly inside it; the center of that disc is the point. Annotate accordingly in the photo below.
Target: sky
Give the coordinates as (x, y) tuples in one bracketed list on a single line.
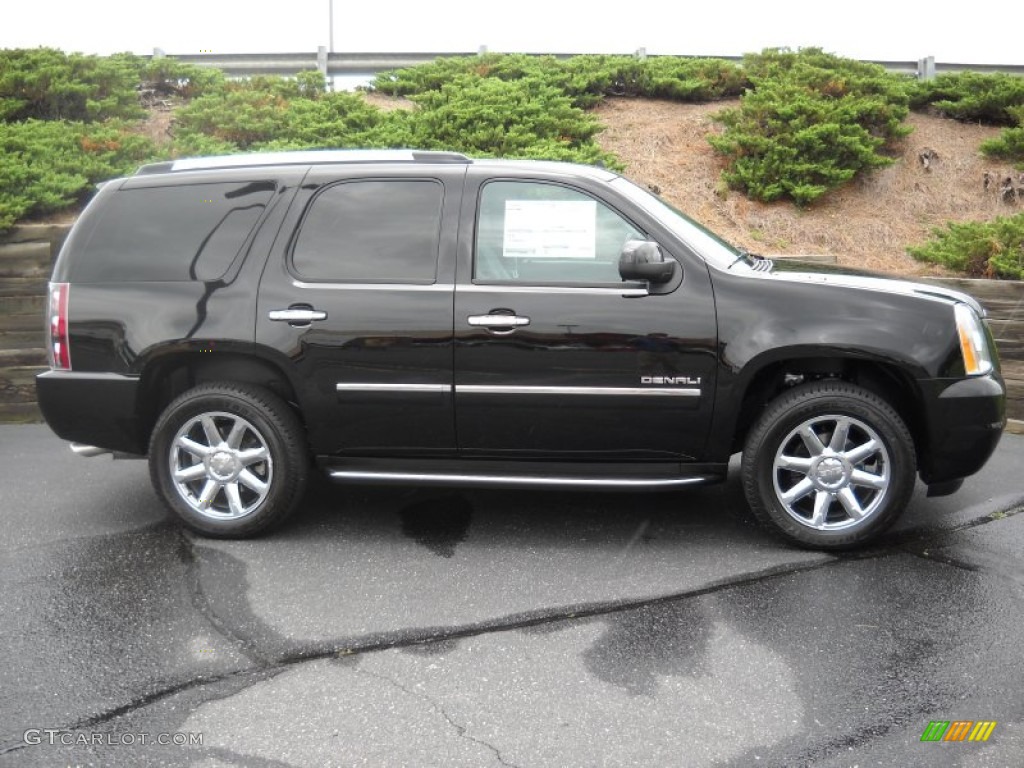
[(867, 29)]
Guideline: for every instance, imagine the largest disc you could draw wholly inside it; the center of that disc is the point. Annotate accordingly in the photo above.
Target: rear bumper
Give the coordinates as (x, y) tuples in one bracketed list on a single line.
[(965, 420), (98, 409)]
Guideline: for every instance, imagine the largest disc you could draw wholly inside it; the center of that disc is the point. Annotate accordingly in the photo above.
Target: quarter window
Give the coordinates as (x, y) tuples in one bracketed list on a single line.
[(531, 232), (372, 231), (173, 233)]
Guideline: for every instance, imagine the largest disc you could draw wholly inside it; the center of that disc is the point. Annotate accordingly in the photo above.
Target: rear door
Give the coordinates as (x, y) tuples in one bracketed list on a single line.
[(555, 355), (357, 300)]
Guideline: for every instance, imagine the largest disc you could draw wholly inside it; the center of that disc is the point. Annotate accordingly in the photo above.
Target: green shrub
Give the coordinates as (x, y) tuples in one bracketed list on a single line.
[(193, 144), (243, 118), (283, 112), (333, 120), (46, 166), (1008, 146), (979, 249), (47, 84), (518, 118), (971, 96), (585, 79), (811, 122), (169, 76), (430, 77), (697, 80), (1010, 143)]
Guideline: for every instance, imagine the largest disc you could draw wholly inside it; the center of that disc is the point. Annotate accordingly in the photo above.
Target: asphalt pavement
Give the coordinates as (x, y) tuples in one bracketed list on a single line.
[(395, 626)]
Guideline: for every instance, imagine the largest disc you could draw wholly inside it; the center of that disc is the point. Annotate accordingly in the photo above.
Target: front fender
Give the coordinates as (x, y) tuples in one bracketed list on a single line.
[(766, 322)]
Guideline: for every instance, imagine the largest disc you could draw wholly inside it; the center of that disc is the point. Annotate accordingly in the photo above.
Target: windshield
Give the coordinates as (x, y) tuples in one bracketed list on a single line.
[(705, 242)]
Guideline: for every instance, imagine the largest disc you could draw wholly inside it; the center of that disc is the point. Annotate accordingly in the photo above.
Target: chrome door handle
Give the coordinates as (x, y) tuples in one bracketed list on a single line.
[(297, 315), (498, 321)]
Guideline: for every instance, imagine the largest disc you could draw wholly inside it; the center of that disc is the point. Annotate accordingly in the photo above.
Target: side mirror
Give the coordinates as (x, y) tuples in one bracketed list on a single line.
[(644, 260)]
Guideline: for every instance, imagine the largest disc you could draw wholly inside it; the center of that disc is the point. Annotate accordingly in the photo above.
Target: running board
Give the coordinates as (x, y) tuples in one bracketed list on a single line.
[(620, 477)]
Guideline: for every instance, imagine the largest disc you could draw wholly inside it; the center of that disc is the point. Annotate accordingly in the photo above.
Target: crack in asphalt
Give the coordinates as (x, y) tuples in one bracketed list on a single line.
[(936, 557), (460, 729), (267, 666)]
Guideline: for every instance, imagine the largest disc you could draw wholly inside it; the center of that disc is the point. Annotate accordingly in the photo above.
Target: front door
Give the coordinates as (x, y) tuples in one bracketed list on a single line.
[(555, 356)]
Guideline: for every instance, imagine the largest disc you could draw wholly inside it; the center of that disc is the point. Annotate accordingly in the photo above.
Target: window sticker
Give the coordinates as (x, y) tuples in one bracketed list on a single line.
[(550, 229)]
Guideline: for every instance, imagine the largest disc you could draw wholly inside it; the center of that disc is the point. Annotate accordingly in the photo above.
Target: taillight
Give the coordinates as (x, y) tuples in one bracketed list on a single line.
[(60, 351)]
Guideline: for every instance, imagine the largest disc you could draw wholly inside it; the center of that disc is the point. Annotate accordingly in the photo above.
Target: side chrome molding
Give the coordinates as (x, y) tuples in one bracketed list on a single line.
[(509, 481), (346, 387), (489, 389)]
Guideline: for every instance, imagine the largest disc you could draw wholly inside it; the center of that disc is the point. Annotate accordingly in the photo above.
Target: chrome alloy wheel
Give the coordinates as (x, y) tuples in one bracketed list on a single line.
[(831, 472), (221, 465)]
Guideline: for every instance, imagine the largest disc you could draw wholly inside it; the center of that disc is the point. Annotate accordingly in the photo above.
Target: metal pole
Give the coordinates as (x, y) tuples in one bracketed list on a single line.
[(330, 32)]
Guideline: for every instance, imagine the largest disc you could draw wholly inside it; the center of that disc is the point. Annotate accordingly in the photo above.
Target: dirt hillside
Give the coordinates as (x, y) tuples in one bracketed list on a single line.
[(869, 223)]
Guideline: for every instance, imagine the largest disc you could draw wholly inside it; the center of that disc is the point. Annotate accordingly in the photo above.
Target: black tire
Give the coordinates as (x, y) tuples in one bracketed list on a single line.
[(255, 484), (843, 490)]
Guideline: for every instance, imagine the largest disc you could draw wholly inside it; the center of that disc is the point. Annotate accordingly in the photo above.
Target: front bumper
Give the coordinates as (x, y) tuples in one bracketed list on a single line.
[(964, 422), (98, 409)]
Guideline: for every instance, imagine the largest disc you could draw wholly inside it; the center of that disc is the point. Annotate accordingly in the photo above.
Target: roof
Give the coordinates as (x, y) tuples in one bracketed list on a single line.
[(331, 156), (303, 157)]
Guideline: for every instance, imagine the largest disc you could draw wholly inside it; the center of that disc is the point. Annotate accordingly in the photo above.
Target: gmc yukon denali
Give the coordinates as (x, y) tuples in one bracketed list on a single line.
[(426, 318)]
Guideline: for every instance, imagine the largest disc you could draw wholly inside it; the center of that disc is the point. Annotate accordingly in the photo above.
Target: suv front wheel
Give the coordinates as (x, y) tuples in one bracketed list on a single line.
[(829, 465), (228, 459)]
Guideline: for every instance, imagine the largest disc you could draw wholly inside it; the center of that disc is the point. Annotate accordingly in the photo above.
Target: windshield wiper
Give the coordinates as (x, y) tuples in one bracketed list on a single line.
[(755, 261), (741, 255)]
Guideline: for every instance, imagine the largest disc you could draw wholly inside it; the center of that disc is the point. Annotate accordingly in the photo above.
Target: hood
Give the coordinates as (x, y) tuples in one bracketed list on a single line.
[(794, 270)]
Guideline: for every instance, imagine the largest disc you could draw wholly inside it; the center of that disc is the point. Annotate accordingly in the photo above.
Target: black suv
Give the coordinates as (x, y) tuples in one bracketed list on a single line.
[(420, 317)]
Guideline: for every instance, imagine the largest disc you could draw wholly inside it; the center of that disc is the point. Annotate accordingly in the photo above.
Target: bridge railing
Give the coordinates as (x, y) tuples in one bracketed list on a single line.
[(347, 64)]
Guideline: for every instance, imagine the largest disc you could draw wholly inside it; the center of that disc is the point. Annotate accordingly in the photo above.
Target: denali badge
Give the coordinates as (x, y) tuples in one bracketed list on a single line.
[(679, 380)]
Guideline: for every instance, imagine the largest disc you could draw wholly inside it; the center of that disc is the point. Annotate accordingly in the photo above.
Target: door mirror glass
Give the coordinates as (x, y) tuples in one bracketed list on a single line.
[(644, 260)]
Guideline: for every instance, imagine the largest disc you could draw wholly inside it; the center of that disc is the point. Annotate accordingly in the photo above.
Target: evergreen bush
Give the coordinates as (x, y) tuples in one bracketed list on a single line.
[(978, 249), (1010, 143), (987, 99), (810, 123), (47, 84), (47, 165), (585, 79)]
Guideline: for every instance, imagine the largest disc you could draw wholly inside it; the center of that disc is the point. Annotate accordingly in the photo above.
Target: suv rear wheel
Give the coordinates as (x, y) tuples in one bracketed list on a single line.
[(829, 465), (228, 459)]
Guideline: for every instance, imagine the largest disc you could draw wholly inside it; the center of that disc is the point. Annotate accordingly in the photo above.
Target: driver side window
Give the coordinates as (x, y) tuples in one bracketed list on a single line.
[(537, 233)]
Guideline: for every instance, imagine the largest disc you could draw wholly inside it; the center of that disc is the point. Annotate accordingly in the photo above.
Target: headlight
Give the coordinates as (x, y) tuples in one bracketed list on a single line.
[(973, 341)]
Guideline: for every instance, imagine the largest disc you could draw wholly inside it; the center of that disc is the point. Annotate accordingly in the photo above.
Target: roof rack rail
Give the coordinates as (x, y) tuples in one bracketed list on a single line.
[(302, 157)]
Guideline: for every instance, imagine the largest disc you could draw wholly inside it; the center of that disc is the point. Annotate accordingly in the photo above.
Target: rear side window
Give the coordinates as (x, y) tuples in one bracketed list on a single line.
[(372, 231), (171, 233)]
